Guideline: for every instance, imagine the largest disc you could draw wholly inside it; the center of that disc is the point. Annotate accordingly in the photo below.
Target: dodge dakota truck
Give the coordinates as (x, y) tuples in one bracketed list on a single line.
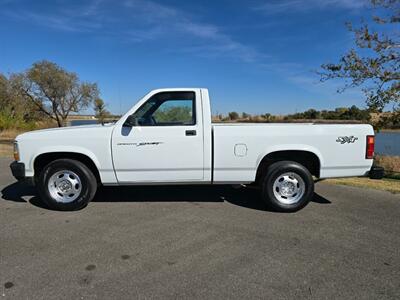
[(168, 138)]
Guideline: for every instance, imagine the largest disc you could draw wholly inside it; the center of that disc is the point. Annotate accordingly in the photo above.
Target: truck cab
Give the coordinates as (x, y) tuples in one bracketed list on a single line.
[(165, 137)]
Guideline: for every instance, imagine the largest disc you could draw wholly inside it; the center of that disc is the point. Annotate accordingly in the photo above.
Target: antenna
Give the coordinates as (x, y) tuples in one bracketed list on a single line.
[(119, 100)]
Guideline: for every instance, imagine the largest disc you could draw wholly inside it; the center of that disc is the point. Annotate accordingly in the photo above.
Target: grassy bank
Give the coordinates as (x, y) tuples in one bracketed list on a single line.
[(391, 165), (390, 130), (6, 150), (386, 184), (8, 135), (6, 138)]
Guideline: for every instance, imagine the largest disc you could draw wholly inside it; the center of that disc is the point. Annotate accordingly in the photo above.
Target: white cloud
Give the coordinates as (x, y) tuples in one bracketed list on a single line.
[(150, 9), (306, 78), (201, 30), (140, 21), (57, 22), (272, 7)]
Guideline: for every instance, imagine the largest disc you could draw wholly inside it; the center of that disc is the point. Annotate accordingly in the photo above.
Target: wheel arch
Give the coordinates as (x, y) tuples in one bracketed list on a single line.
[(307, 158), (42, 159)]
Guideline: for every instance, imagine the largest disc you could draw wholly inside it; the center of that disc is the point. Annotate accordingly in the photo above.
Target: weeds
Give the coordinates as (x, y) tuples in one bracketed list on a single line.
[(391, 164), (8, 121)]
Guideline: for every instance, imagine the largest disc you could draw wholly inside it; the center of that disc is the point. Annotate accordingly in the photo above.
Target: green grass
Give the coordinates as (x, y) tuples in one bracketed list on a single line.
[(7, 121)]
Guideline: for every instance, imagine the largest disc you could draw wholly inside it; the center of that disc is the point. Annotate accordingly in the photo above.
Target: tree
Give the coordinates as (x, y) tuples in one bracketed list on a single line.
[(375, 64), (100, 110), (311, 114), (174, 114), (391, 121), (55, 91), (267, 116), (245, 115), (12, 104), (3, 90), (233, 115)]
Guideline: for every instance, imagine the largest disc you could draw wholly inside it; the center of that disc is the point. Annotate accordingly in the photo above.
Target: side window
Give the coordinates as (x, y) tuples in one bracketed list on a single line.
[(167, 109)]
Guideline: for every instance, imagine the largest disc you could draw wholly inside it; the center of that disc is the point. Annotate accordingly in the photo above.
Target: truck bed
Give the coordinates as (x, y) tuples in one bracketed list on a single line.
[(240, 147)]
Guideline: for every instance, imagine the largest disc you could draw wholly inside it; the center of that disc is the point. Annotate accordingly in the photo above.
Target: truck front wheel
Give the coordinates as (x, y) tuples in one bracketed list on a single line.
[(66, 184), (287, 186)]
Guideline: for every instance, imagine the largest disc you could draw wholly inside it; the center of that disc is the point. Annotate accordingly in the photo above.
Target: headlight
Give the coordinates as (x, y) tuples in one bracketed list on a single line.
[(16, 151)]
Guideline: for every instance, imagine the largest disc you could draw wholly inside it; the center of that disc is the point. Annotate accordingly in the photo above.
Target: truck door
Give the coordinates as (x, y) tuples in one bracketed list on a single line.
[(162, 141)]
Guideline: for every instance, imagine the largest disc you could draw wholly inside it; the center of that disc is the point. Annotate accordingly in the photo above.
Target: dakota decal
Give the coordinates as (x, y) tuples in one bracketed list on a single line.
[(346, 139), (140, 144)]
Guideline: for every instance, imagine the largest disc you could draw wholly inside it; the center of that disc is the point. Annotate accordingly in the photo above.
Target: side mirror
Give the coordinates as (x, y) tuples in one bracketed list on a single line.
[(131, 121)]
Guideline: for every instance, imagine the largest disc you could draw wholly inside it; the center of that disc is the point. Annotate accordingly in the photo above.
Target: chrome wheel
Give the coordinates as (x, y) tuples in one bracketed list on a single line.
[(289, 188), (64, 186)]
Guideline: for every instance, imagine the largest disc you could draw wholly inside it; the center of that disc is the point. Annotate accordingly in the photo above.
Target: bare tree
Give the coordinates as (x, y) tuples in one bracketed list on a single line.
[(100, 109), (54, 91), (375, 63)]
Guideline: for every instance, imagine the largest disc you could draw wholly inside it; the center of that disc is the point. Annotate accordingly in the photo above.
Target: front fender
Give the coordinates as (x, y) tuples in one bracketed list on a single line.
[(55, 149)]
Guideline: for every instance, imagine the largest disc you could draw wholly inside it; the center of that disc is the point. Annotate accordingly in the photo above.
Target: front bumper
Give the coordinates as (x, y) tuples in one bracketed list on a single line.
[(18, 171), (376, 172)]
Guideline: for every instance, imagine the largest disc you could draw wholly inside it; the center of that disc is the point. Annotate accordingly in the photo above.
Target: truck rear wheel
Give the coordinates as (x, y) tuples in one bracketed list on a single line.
[(66, 184), (287, 186)]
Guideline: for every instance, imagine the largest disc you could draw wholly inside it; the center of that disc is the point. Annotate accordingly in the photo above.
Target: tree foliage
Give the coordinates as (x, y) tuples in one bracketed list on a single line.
[(101, 113), (374, 63), (233, 115), (340, 113), (389, 121), (54, 91), (174, 114), (245, 115), (3, 90), (268, 117), (15, 112)]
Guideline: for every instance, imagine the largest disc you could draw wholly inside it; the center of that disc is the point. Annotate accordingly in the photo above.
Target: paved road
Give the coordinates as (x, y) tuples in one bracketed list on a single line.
[(192, 242)]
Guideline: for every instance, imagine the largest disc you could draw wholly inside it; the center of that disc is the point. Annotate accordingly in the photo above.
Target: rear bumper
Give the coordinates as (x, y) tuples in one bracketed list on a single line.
[(18, 171), (376, 172)]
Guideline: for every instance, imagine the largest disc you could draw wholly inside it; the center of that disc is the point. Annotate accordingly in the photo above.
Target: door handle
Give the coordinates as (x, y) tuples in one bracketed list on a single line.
[(190, 132)]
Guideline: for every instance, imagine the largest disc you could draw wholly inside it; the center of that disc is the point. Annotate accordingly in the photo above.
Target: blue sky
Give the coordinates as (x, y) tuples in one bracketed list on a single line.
[(255, 56)]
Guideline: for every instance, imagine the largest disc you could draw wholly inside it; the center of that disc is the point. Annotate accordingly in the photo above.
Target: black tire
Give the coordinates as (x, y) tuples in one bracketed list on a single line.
[(304, 186), (87, 186)]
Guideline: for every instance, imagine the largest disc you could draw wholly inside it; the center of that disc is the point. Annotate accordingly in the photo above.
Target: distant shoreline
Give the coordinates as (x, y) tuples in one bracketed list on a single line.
[(389, 130)]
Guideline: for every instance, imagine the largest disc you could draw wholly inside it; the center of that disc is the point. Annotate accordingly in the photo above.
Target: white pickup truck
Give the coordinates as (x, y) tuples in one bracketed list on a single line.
[(168, 138)]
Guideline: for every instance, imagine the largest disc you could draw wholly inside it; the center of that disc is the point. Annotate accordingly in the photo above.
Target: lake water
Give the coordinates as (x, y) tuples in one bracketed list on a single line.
[(82, 122), (387, 143)]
